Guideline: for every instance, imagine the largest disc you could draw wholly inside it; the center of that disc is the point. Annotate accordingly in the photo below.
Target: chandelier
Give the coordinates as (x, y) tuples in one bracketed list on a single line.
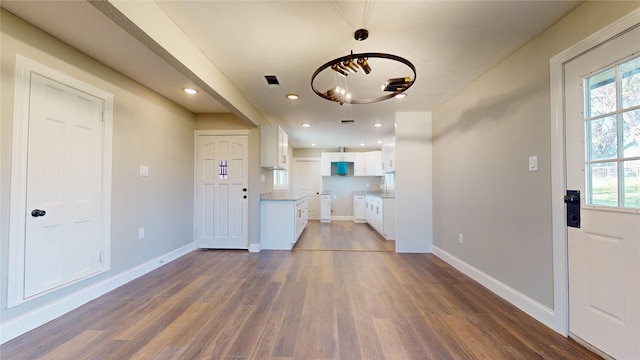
[(351, 64)]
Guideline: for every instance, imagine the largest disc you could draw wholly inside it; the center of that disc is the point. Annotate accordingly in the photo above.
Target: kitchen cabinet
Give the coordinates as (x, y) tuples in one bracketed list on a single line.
[(342, 156), (359, 166), (325, 164), (380, 213), (325, 208), (373, 163), (359, 214), (302, 216), (389, 157), (364, 163), (274, 146), (282, 221)]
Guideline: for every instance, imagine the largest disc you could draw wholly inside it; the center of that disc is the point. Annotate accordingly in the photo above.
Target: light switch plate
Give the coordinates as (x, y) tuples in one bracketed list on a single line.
[(144, 170), (533, 163)]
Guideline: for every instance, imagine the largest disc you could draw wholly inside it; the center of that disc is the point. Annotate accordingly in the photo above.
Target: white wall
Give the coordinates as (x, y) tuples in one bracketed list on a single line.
[(414, 193), (342, 188)]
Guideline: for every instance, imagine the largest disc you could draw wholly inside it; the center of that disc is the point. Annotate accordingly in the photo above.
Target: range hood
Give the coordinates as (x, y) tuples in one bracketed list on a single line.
[(342, 164), (342, 168)]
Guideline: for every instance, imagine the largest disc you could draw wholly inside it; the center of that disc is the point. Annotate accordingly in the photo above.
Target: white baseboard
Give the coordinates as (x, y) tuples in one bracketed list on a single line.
[(254, 248), (40, 316), (516, 298), (341, 218)]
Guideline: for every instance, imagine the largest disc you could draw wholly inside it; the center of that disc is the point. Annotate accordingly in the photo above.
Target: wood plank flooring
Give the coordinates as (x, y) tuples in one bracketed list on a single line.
[(342, 235), (298, 305)]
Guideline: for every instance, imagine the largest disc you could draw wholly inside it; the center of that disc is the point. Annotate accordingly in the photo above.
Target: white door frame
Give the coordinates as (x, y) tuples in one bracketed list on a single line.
[(17, 211), (241, 132), (558, 166)]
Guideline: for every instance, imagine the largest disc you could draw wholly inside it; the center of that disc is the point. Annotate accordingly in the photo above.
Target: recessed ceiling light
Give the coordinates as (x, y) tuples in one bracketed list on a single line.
[(379, 141), (292, 97), (361, 144), (306, 125), (313, 144), (401, 96), (190, 91), (377, 125)]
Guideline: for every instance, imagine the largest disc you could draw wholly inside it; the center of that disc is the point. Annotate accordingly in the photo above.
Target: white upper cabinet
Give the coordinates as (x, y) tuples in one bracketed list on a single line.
[(373, 163), (389, 157), (325, 164), (342, 156), (364, 163), (274, 145), (359, 166)]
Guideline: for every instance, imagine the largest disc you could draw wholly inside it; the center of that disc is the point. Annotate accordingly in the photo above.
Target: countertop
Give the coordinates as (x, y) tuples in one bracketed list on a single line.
[(280, 197), (380, 194)]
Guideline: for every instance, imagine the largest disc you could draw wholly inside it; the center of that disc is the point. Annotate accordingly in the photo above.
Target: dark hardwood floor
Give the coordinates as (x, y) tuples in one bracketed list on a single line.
[(303, 304)]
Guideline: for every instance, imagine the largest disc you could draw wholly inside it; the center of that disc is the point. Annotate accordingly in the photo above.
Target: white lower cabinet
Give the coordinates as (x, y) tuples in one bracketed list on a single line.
[(282, 222), (325, 208), (359, 210), (380, 213)]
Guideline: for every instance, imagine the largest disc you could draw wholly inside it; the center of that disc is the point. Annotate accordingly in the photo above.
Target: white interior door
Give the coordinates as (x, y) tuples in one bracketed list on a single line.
[(64, 173), (307, 181), (221, 191), (603, 162)]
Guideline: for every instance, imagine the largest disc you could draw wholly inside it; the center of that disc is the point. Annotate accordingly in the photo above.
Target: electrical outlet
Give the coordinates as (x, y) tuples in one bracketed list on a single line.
[(460, 238), (140, 233)]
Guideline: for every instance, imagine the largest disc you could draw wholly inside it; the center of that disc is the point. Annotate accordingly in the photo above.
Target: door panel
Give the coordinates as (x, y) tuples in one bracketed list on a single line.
[(64, 173), (307, 181), (221, 192), (604, 253)]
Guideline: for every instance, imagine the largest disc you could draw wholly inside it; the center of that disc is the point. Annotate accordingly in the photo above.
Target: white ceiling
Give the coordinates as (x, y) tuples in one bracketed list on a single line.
[(451, 43)]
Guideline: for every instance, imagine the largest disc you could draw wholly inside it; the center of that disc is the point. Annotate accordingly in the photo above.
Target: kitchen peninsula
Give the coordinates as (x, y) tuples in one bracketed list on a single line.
[(282, 219)]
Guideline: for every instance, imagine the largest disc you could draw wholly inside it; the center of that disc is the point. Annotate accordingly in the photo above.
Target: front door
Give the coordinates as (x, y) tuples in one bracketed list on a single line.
[(221, 191), (602, 117), (307, 181)]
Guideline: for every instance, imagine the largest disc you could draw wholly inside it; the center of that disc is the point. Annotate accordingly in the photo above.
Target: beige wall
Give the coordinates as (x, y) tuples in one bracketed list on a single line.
[(483, 137), (147, 130)]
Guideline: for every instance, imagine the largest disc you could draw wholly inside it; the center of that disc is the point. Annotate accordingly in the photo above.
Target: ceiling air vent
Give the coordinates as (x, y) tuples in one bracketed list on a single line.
[(272, 80), (347, 121)]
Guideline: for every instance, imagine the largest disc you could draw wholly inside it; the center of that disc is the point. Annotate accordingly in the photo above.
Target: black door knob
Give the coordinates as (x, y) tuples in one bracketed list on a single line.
[(244, 189), (38, 212)]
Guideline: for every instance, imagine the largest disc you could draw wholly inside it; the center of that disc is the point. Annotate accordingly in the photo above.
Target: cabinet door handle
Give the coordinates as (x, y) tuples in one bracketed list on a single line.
[(377, 210), (284, 158), (390, 163)]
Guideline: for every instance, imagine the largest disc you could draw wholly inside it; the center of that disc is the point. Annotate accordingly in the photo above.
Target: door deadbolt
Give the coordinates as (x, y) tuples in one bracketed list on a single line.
[(572, 199)]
